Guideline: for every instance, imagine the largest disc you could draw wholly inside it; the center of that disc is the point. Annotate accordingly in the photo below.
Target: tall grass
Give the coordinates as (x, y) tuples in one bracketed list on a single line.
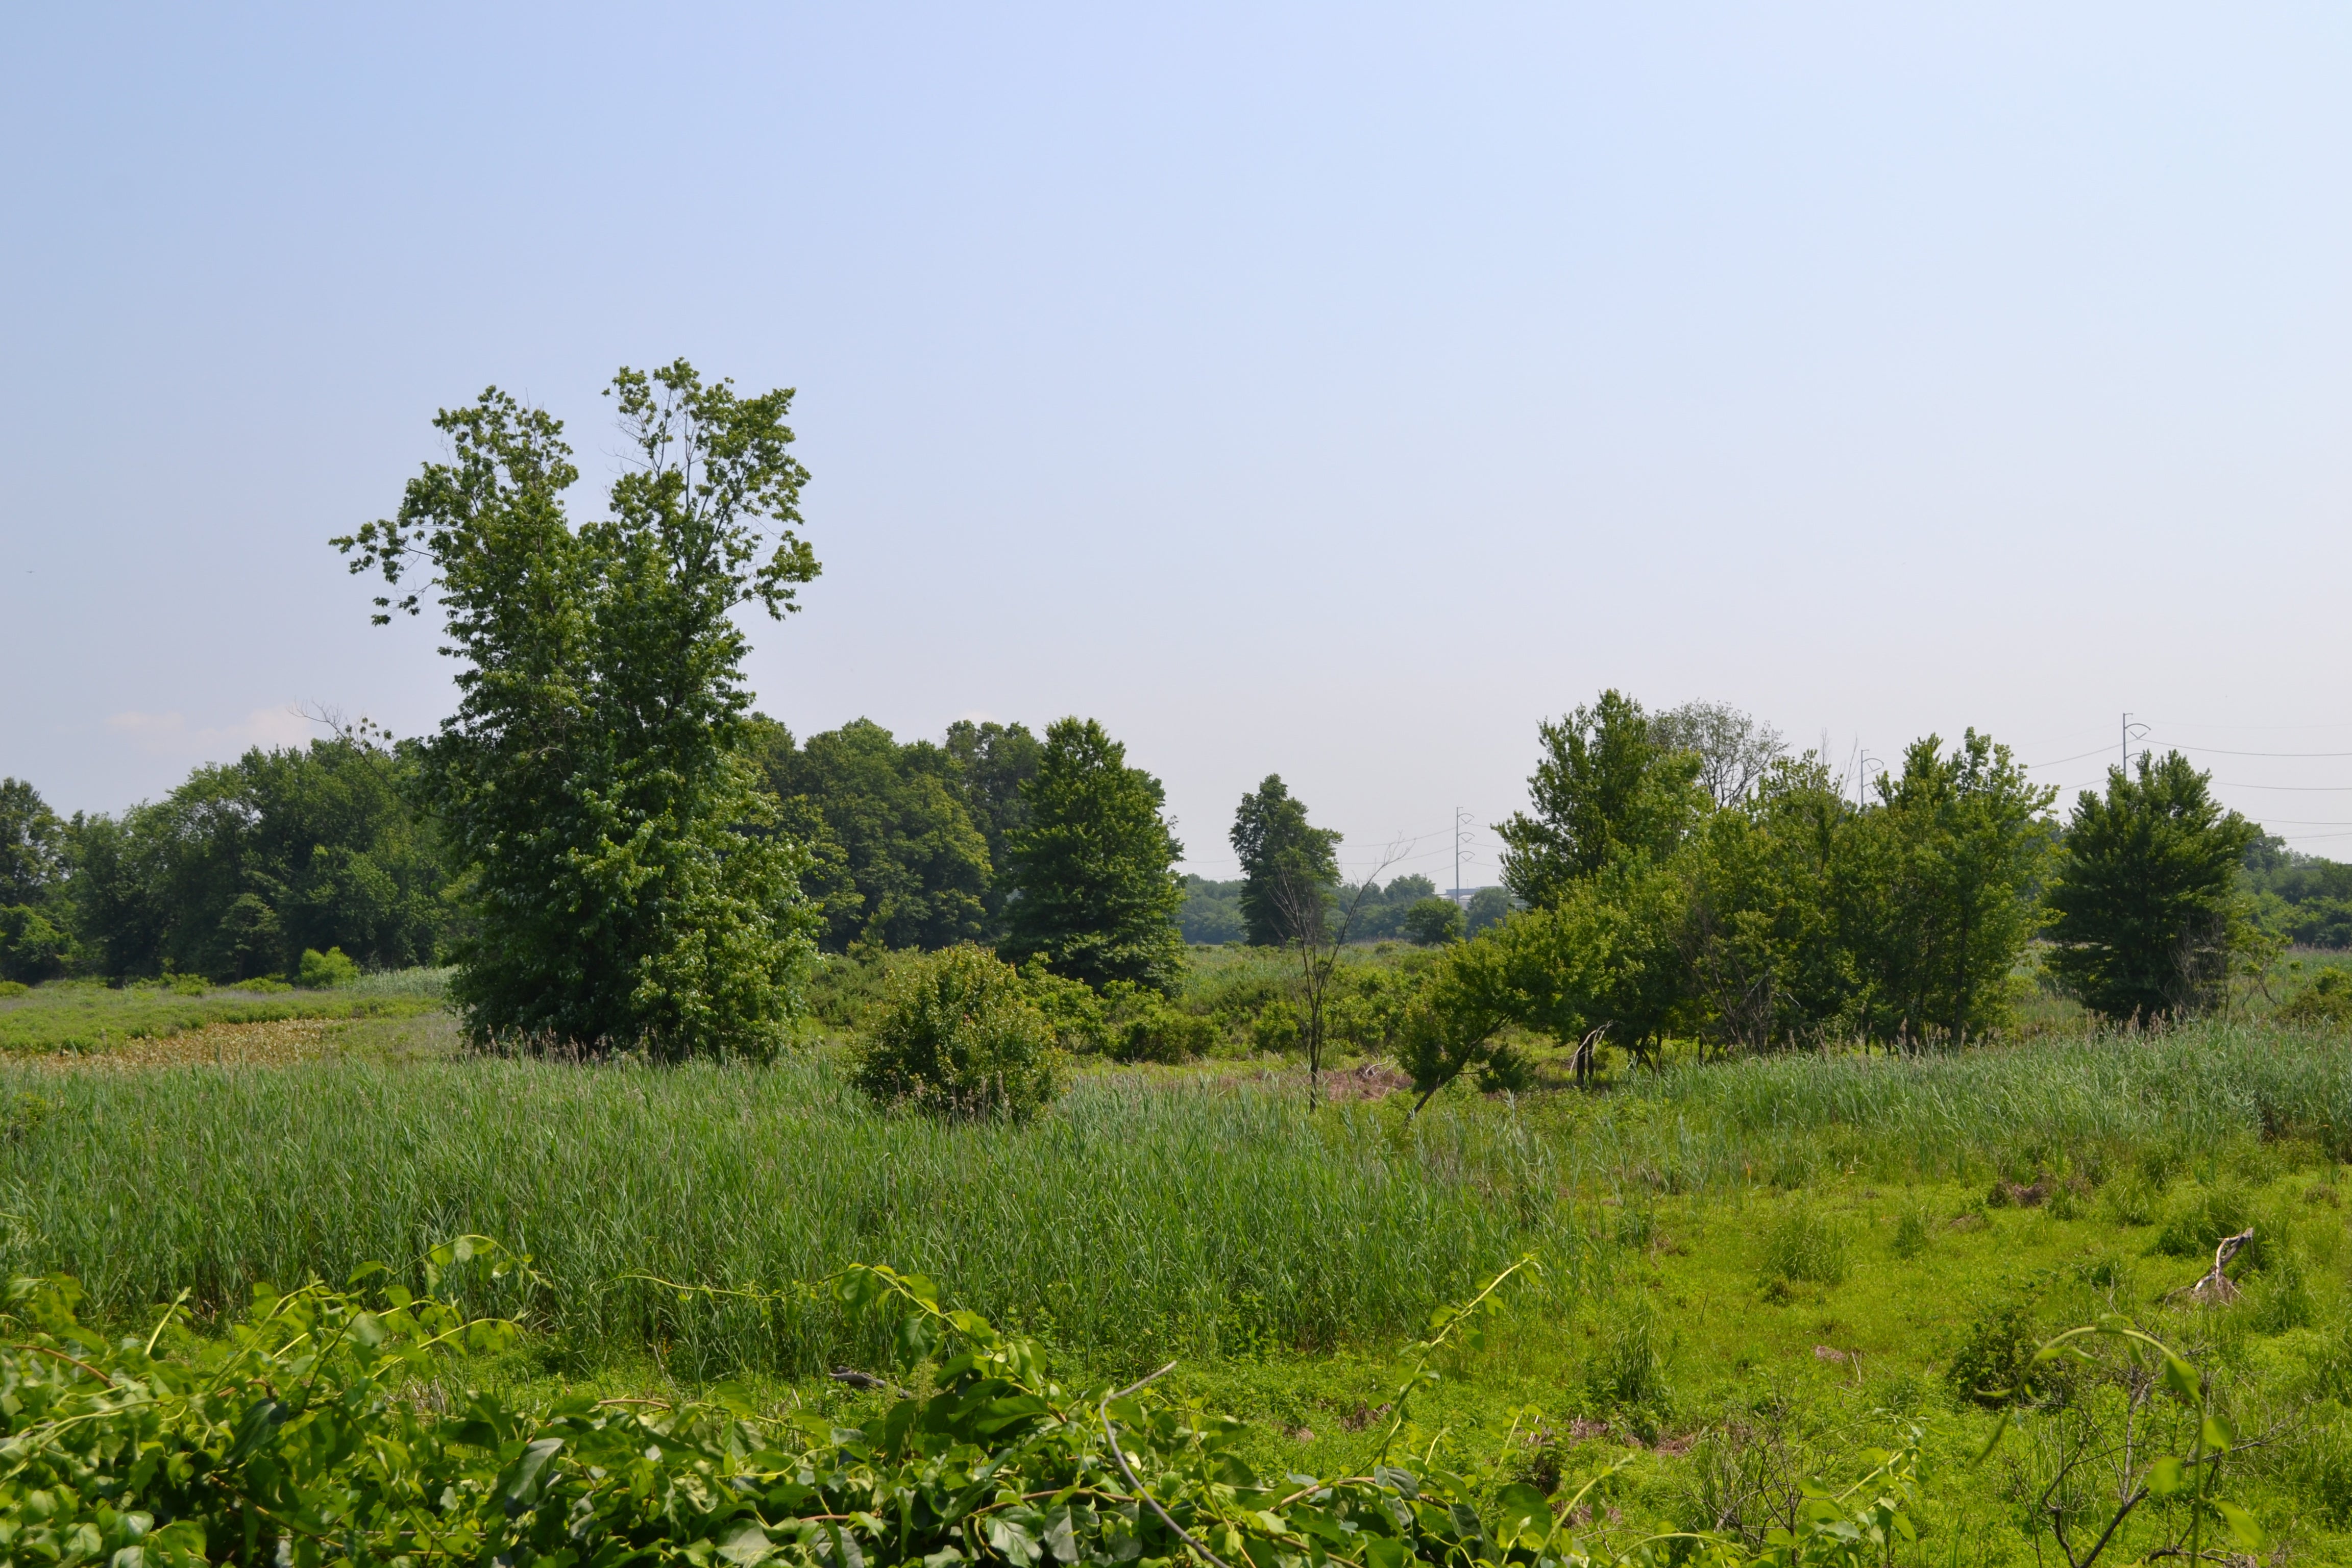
[(1140, 1218), (1132, 1221), (2083, 1104)]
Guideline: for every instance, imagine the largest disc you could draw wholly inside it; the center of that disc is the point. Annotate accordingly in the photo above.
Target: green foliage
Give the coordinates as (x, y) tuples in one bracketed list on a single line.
[(1950, 863), (12, 989), (992, 761), (1604, 791), (1092, 875), (247, 863), (1804, 1246), (293, 1437), (83, 1017), (1626, 1372), (1432, 923), (1289, 867), (32, 852), (1210, 914), (595, 782), (1994, 1366), (897, 859), (323, 971), (959, 1036), (1488, 907), (2325, 1002), (2306, 899), (31, 949), (2143, 895)]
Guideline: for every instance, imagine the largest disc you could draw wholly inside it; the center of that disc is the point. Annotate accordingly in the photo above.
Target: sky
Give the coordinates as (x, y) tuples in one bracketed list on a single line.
[(1330, 391)]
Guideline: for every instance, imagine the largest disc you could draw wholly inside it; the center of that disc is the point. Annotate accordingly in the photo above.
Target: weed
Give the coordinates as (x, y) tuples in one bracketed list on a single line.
[(1993, 1365), (1807, 1246), (1911, 1232), (1626, 1373)]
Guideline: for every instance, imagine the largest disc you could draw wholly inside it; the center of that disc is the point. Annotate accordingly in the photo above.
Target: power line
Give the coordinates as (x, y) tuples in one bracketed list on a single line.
[(2219, 752)]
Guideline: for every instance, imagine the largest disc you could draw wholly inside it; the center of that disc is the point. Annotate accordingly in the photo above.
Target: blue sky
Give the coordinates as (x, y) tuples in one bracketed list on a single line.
[(1331, 390)]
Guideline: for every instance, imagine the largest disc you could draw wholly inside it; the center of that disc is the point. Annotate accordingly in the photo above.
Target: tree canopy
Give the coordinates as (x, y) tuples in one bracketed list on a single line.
[(2142, 900), (1289, 867), (1604, 790), (1091, 872), (595, 782), (894, 858)]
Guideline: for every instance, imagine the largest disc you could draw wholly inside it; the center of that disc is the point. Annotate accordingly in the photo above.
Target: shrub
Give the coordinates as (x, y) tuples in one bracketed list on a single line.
[(323, 971), (959, 1036), (1993, 1365), (2327, 1002), (1806, 1245), (13, 988)]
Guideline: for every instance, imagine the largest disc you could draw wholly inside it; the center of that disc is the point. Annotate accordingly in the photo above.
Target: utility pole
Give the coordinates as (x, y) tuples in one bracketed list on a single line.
[(1461, 821), (2124, 749)]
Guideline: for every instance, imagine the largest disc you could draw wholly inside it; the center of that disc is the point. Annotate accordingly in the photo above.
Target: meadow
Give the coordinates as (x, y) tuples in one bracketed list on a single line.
[(1748, 1269)]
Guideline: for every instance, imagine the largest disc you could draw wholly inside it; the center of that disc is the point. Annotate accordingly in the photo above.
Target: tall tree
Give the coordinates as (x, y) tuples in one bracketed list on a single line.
[(33, 939), (897, 860), (595, 780), (992, 761), (32, 845), (1733, 748), (2143, 892), (1604, 791), (1955, 851), (247, 863), (1289, 867), (1092, 872)]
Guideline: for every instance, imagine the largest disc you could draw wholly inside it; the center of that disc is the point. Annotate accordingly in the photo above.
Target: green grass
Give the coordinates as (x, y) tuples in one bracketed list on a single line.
[(1752, 1269), (85, 1016)]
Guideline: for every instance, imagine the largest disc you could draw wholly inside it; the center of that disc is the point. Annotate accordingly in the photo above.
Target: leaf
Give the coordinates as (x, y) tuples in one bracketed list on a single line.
[(527, 1475), (2244, 1528), (2165, 1478), (1384, 1551), (1523, 1516), (1019, 1547), (2179, 1376), (2216, 1434), (746, 1542)]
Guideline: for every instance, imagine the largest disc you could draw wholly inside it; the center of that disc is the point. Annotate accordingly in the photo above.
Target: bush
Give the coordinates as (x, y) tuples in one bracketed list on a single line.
[(13, 988), (2327, 1002), (323, 971), (959, 1036), (1994, 1366), (1805, 1246)]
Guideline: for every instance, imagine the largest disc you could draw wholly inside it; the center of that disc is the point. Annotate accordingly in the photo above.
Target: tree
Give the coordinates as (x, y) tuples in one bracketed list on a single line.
[(895, 859), (1289, 867), (1433, 922), (1955, 851), (1604, 791), (32, 845), (1733, 748), (595, 781), (1094, 891), (33, 941), (1489, 906), (2143, 892), (245, 864), (992, 761)]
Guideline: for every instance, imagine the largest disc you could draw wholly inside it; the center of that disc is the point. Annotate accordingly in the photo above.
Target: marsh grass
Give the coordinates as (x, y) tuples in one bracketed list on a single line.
[(1806, 1247), (85, 1016)]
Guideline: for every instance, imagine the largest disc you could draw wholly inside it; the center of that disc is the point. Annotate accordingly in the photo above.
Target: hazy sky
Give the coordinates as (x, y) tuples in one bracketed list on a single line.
[(1330, 391)]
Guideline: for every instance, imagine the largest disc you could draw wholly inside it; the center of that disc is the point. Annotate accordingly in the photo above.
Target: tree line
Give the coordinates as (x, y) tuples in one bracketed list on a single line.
[(1780, 912), (610, 846)]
